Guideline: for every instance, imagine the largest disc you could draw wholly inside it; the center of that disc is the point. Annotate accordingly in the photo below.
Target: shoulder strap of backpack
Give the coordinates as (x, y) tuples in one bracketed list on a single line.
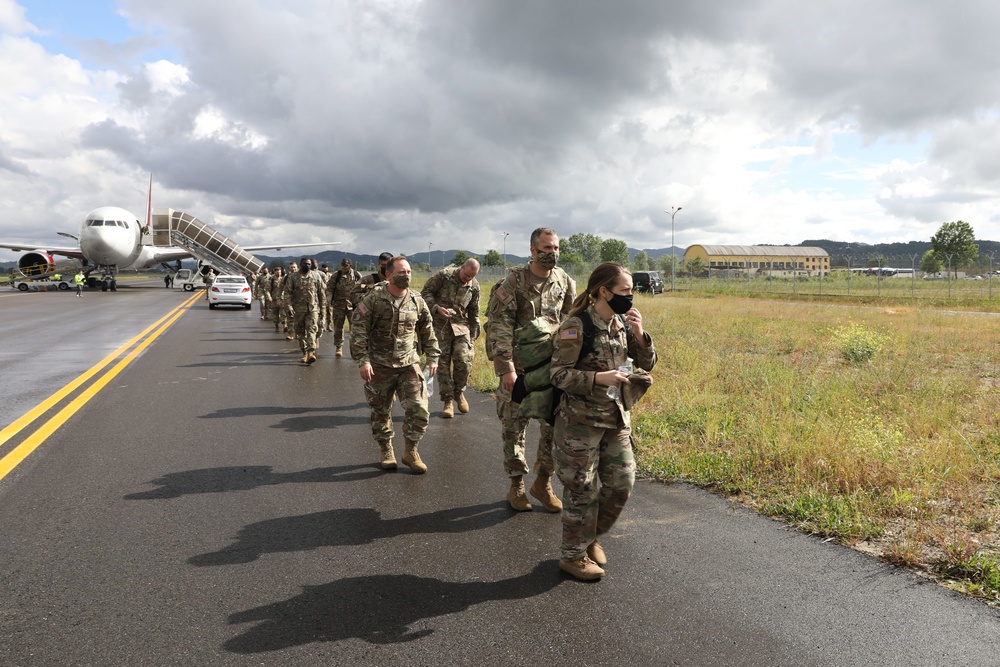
[(590, 331)]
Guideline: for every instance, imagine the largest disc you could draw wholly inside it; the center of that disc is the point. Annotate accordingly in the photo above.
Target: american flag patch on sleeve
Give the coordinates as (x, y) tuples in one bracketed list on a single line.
[(502, 295), (569, 334), (363, 308)]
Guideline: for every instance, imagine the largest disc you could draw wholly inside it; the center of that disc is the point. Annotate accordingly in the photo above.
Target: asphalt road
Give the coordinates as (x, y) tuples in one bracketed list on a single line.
[(217, 503)]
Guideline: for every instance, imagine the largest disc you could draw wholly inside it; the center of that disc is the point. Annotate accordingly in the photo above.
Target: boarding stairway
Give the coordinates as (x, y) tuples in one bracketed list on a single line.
[(179, 229)]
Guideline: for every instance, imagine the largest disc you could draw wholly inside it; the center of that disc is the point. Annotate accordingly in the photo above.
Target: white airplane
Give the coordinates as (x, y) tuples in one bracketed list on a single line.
[(109, 240)]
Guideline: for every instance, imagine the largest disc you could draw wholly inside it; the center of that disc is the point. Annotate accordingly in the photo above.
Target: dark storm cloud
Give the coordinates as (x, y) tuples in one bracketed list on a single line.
[(894, 66), (453, 106)]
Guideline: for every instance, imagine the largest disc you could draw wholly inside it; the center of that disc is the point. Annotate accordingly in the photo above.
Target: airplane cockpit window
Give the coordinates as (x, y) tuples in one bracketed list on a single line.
[(96, 223)]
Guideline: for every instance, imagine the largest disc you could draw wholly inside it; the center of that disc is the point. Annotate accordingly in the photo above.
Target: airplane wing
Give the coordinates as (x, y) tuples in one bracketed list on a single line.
[(63, 252), (282, 246)]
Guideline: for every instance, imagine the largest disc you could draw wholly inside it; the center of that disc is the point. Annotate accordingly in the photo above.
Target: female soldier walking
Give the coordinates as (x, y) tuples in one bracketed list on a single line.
[(593, 450)]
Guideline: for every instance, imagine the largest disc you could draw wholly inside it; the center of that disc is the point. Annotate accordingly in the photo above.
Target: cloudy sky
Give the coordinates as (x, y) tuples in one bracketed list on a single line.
[(391, 124)]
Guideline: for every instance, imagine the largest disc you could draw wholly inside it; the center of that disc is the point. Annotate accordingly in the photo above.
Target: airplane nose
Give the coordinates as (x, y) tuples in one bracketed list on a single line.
[(99, 247)]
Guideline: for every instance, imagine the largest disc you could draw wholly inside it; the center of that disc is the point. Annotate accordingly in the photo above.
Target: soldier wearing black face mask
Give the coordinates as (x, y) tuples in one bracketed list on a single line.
[(593, 425), (371, 280), (303, 292)]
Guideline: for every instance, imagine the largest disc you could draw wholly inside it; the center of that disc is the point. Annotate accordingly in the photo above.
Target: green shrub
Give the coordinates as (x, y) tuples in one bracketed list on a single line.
[(858, 343)]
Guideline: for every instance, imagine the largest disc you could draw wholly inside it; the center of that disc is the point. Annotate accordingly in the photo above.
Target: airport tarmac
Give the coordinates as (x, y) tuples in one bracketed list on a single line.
[(214, 502)]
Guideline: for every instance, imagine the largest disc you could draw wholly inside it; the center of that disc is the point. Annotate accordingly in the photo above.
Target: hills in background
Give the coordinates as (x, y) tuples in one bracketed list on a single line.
[(860, 254)]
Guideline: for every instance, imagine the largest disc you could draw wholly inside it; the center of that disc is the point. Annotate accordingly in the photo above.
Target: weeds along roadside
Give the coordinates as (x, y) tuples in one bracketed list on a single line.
[(873, 425)]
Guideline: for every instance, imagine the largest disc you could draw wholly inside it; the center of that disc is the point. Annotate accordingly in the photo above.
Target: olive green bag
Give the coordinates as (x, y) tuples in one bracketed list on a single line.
[(533, 347)]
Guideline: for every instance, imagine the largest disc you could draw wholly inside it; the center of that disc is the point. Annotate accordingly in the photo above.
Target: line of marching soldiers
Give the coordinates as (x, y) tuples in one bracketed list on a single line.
[(592, 349)]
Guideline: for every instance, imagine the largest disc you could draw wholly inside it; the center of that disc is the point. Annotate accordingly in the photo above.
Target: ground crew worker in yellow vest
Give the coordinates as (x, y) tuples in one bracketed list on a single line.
[(79, 279)]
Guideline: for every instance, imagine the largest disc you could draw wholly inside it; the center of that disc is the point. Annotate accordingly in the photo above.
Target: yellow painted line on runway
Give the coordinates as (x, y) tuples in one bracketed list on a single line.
[(32, 442)]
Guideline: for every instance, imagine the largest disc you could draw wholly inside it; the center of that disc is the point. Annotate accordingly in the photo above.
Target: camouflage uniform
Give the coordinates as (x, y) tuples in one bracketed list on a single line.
[(302, 294), (455, 334), (363, 287), (262, 294), (593, 450), (276, 289), (209, 280), (341, 285), (325, 315), (520, 298), (388, 338)]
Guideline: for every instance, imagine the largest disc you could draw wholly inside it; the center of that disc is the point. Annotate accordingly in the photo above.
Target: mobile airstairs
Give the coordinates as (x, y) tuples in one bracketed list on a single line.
[(211, 248)]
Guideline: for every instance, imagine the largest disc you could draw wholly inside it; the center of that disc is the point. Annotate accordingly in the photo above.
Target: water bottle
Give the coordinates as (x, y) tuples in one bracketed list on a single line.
[(430, 381), (624, 368)]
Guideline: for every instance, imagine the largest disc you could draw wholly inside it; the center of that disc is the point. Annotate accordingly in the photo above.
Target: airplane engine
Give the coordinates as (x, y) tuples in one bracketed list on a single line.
[(35, 263)]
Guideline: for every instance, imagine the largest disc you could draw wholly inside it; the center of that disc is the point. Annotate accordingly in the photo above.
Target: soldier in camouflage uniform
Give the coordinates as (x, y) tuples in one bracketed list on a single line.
[(303, 291), (261, 292), (287, 321), (275, 290), (593, 444), (209, 280), (326, 315), (452, 294), (540, 289), (341, 284), (366, 284), (388, 329)]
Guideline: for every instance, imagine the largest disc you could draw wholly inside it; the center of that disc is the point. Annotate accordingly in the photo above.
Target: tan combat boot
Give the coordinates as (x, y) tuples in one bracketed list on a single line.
[(518, 501), (305, 357), (583, 569), (448, 411), (340, 351), (463, 405), (311, 358), (596, 553), (388, 456), (412, 458), (542, 490)]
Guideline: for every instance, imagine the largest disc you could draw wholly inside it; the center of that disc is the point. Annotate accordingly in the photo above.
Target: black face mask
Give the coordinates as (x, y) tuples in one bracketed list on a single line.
[(305, 268), (620, 303)]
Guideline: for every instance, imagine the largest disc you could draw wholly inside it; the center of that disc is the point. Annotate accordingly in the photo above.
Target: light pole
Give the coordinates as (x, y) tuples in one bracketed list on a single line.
[(505, 235), (673, 260), (429, 244), (991, 255)]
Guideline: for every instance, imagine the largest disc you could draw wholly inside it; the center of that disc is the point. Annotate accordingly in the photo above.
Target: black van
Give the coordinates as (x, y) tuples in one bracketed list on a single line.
[(647, 281)]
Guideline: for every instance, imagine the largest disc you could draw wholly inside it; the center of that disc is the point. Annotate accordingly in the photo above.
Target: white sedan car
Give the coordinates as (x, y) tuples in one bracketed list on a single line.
[(230, 291)]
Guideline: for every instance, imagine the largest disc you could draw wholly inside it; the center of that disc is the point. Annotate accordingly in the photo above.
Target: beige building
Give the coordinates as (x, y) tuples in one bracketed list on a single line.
[(779, 260)]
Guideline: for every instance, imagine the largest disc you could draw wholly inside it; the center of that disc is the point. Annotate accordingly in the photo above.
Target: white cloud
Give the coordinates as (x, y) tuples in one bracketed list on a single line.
[(13, 21)]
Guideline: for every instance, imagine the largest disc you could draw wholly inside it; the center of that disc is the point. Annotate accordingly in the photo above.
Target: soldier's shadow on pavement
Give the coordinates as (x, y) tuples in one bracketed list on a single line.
[(246, 478), (303, 420), (377, 609), (242, 359), (271, 410), (346, 527)]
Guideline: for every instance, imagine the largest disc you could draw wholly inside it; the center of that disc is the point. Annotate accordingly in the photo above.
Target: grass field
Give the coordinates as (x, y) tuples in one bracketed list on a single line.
[(872, 424)]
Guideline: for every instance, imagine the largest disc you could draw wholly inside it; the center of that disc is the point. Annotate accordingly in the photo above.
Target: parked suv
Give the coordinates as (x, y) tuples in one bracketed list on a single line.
[(647, 281)]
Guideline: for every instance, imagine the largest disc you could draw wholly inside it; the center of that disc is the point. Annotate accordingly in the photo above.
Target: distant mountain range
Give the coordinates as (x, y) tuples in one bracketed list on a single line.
[(859, 254)]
